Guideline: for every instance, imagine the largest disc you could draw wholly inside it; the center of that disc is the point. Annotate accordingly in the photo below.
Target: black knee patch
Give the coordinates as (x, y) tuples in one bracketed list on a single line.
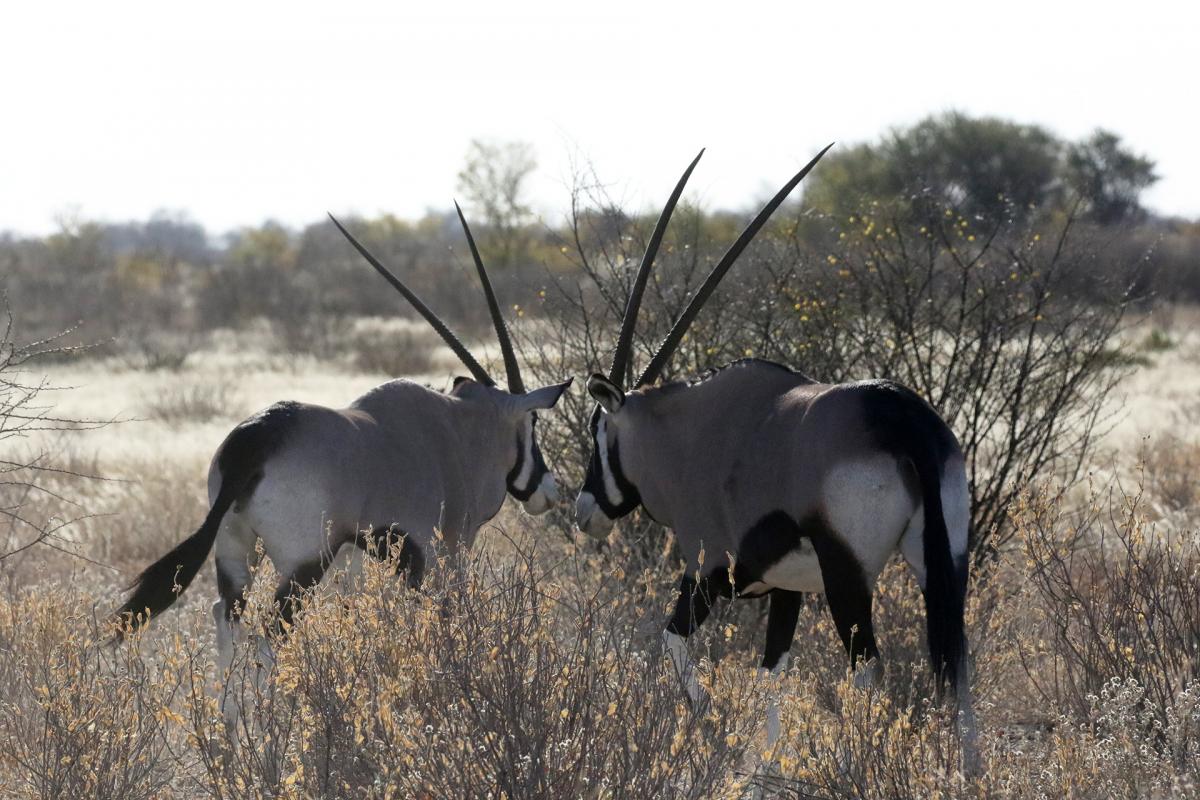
[(695, 601)]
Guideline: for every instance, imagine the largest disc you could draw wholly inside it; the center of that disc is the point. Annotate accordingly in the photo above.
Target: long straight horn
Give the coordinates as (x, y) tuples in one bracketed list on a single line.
[(515, 384), (620, 362), (460, 350), (667, 348)]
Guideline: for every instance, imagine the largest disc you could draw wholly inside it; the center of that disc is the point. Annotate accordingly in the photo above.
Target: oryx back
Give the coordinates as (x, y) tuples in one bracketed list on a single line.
[(394, 460)]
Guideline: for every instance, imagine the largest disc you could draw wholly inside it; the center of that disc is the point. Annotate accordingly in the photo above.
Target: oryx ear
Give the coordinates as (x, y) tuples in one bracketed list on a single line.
[(543, 398), (606, 393)]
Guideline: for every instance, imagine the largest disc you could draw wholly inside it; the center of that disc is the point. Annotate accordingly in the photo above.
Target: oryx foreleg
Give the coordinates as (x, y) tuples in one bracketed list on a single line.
[(693, 606), (781, 628)]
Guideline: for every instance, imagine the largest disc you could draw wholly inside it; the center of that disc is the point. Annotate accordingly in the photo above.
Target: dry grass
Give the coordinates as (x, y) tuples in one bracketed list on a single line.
[(197, 402), (532, 668)]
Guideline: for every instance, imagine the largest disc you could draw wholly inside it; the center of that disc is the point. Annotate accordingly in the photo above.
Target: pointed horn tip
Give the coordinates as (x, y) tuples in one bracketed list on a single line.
[(338, 224)]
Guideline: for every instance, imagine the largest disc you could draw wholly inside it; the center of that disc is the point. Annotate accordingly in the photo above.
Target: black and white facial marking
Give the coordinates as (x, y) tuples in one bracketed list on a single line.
[(607, 494), (530, 480)]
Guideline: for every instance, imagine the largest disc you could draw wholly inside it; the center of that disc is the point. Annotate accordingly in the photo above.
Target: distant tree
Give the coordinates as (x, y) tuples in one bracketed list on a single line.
[(984, 167), (1108, 177), (492, 183), (170, 238), (256, 278), (79, 276)]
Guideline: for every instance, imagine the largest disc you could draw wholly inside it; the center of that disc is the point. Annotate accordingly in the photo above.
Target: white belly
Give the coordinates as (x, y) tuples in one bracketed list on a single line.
[(798, 571)]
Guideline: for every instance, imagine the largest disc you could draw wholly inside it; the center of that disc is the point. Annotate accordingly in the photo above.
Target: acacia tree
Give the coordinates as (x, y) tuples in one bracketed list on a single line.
[(986, 167), (1108, 177)]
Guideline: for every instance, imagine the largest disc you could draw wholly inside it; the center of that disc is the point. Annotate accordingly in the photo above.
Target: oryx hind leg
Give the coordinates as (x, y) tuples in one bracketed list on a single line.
[(235, 558), (850, 596), (866, 503), (292, 587), (233, 579)]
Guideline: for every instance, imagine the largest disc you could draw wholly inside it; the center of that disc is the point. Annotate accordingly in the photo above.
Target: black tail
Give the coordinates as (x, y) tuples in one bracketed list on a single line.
[(161, 583), (945, 580), (908, 427), (239, 463)]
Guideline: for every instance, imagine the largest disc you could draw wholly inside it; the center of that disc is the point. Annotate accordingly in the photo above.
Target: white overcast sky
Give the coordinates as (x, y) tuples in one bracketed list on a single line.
[(238, 112)]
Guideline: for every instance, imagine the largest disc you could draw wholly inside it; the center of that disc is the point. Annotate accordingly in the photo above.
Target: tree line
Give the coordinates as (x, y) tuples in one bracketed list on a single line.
[(132, 281)]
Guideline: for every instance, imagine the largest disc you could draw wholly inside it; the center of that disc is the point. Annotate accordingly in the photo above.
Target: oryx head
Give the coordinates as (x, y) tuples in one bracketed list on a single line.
[(608, 494), (527, 478)]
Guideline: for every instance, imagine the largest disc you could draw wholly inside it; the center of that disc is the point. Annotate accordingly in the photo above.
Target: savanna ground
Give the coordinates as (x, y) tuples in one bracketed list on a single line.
[(533, 668)]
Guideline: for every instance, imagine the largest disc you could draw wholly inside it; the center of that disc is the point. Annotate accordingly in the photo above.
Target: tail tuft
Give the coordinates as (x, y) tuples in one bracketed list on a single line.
[(161, 583)]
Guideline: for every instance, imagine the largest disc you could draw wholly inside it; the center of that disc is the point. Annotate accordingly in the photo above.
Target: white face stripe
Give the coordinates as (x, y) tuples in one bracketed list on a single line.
[(610, 483), (522, 481)]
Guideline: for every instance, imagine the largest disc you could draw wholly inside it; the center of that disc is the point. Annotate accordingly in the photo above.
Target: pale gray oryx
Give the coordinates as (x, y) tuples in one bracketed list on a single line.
[(399, 464), (776, 485)]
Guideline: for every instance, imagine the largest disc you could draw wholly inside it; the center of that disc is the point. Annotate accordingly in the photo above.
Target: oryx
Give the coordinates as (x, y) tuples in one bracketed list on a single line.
[(775, 484), (397, 465)]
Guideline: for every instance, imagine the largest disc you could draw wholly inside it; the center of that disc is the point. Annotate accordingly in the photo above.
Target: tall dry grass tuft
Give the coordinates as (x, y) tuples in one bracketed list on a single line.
[(497, 680), (1118, 598), (534, 668), (78, 719)]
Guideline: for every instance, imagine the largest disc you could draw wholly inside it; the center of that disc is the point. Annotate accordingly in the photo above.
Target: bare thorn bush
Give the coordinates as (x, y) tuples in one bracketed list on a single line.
[(1118, 598), (35, 508)]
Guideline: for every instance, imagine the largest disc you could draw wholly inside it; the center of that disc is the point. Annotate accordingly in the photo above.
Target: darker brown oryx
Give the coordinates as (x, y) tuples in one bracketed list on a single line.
[(776, 485), (399, 464)]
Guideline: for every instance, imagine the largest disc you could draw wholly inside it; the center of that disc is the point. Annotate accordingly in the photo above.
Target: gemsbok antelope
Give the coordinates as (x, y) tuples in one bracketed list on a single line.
[(776, 485), (399, 464)]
